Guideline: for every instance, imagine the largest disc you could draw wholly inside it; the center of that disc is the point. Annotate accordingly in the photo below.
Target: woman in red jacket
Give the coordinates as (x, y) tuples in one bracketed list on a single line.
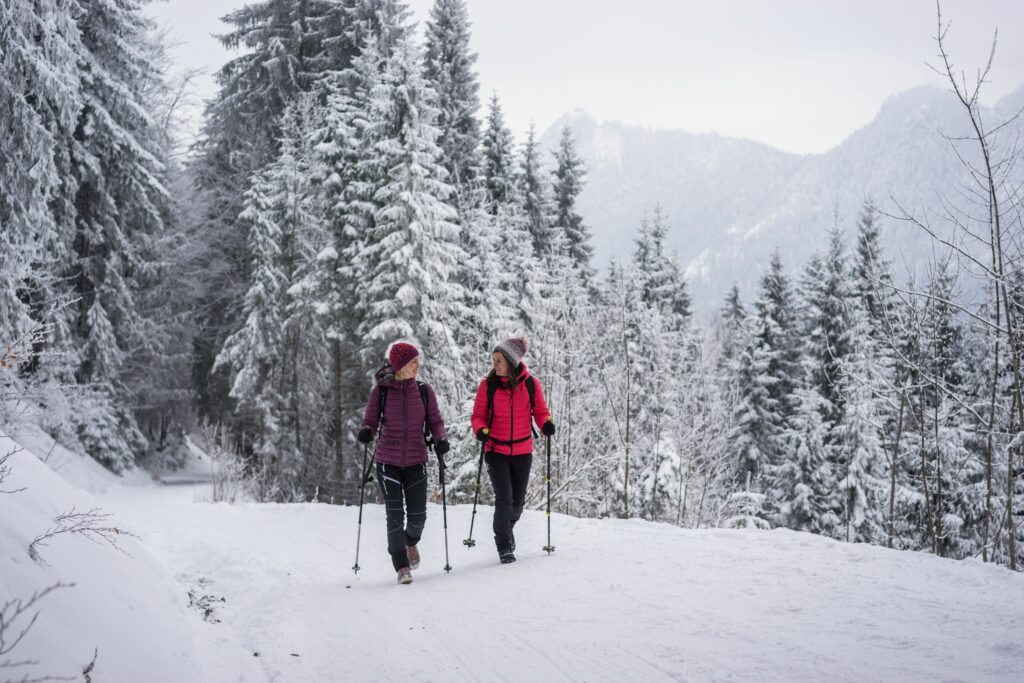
[(507, 401)]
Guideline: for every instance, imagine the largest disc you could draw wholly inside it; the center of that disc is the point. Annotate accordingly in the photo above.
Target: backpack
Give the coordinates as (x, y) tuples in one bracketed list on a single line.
[(492, 389), (383, 399)]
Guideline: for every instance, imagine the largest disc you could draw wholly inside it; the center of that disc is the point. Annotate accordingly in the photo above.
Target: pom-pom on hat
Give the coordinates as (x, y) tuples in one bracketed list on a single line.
[(401, 353), (514, 349)]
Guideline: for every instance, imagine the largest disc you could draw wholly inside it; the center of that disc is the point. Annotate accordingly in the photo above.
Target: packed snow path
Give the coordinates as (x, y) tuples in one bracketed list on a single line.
[(617, 601)]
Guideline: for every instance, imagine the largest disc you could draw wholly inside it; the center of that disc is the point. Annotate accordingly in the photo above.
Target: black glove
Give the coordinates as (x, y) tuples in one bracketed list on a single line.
[(441, 446), (548, 428), (483, 434), (365, 435)]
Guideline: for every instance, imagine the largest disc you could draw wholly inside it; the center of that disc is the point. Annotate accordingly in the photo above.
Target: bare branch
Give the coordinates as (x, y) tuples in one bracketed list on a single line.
[(88, 524)]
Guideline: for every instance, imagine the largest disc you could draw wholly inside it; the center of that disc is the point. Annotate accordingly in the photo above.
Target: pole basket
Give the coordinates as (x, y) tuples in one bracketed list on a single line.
[(548, 549), (469, 542)]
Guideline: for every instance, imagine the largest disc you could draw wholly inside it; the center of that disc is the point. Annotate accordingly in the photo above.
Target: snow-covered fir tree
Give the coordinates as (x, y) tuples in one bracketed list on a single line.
[(415, 245), (827, 326), (448, 68), (569, 174), (39, 103), (534, 192), (768, 377), (497, 159)]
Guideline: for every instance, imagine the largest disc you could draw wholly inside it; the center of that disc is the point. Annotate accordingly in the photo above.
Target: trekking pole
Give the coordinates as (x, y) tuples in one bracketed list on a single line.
[(444, 510), (547, 479), (469, 542), (362, 490)]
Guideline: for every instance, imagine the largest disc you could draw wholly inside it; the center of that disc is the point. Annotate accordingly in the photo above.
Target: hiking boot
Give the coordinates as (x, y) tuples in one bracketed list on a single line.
[(506, 556), (414, 556), (512, 545), (404, 575)]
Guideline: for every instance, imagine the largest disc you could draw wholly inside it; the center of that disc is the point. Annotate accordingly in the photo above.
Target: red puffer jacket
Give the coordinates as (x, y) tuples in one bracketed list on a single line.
[(511, 420)]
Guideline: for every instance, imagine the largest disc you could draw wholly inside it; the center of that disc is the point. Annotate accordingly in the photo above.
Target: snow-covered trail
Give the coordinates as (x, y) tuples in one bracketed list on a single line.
[(617, 601)]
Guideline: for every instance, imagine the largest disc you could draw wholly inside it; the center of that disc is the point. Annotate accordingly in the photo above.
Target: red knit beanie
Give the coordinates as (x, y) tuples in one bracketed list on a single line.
[(400, 354)]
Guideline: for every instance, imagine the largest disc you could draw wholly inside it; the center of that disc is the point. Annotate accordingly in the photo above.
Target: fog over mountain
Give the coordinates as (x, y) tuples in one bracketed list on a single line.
[(731, 202)]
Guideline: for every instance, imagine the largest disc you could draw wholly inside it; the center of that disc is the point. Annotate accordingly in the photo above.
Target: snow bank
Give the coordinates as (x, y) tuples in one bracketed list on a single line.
[(124, 609)]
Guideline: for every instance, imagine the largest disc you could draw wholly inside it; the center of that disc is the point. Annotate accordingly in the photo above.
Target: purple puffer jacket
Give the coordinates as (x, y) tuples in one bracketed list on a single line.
[(401, 442)]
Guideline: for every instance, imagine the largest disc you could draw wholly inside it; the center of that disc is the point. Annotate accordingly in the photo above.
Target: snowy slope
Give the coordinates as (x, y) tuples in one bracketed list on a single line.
[(617, 601), (123, 607)]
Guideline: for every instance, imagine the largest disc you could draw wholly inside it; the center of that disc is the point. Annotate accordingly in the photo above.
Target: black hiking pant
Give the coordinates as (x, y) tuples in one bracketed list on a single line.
[(509, 476), (405, 494)]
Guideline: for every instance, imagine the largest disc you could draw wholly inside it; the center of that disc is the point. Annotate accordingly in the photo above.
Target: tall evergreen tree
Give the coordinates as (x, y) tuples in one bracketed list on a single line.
[(498, 161), (449, 71), (568, 183), (770, 374), (39, 102), (120, 200), (252, 352), (414, 247), (827, 328), (534, 192), (287, 48), (804, 475)]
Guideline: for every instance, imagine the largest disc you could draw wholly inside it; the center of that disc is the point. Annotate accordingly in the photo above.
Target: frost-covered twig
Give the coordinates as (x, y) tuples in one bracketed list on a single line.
[(14, 612), (89, 524), (5, 469), (90, 666)]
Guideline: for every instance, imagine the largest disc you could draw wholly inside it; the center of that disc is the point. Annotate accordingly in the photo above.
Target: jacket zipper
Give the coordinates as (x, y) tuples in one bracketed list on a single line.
[(511, 418), (405, 423)]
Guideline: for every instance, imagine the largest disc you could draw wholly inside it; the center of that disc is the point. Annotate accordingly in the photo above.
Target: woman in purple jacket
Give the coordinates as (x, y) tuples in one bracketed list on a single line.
[(401, 453)]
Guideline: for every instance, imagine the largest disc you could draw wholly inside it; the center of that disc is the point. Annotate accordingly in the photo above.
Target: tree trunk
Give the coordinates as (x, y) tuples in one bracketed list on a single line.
[(893, 466)]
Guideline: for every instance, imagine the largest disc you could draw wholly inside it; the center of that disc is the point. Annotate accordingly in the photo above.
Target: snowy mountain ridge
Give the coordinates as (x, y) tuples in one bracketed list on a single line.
[(731, 202), (618, 599)]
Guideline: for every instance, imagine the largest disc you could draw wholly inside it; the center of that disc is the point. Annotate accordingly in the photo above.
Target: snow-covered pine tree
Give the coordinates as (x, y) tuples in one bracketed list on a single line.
[(413, 247), (747, 510), (252, 353), (803, 478), (945, 458), (583, 457), (278, 358), (119, 202), (730, 335), (39, 103), (871, 281), (286, 48), (861, 460), (449, 71), (770, 372), (497, 159), (338, 147), (665, 358), (826, 322), (304, 351), (569, 174), (534, 192)]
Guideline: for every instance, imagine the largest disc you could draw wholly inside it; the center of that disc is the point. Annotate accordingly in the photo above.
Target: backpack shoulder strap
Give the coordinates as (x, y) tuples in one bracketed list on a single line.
[(382, 399), (426, 412), (531, 389)]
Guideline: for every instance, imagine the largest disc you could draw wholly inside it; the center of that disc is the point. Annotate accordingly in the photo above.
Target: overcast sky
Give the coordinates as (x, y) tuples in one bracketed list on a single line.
[(800, 75)]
